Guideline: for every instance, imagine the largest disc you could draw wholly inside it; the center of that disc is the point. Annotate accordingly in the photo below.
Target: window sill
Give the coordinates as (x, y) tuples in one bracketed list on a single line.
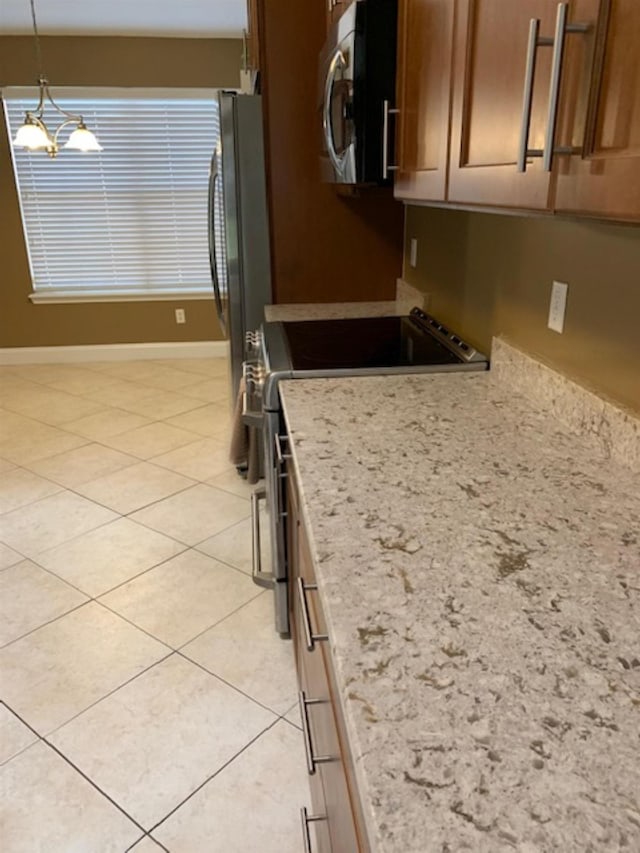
[(70, 297)]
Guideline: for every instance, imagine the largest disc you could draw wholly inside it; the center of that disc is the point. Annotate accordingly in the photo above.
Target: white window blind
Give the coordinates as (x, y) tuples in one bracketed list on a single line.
[(130, 221)]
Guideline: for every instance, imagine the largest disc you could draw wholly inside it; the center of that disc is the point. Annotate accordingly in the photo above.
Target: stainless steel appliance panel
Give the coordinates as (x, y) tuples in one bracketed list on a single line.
[(238, 179)]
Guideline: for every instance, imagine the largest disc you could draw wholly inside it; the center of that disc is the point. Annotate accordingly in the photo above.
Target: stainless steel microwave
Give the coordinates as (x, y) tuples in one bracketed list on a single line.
[(356, 88)]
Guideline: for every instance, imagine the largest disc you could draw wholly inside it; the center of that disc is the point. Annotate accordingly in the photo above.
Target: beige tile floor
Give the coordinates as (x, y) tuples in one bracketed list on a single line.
[(146, 702)]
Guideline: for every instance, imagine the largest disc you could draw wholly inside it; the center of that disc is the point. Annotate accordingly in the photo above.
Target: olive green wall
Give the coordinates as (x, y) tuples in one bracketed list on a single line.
[(491, 275), (99, 62)]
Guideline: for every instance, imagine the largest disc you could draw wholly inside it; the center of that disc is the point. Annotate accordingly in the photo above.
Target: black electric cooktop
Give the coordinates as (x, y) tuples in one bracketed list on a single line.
[(361, 343)]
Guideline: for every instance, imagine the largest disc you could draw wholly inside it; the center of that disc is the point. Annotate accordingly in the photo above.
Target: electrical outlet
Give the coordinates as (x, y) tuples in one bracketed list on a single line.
[(180, 316), (558, 306), (413, 252)]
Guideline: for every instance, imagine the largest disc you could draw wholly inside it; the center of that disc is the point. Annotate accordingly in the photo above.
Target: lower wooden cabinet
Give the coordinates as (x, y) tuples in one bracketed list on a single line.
[(333, 791)]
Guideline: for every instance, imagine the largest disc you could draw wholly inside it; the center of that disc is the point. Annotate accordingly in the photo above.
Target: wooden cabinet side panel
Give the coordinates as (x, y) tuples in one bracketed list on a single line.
[(425, 52), (600, 113), (324, 247)]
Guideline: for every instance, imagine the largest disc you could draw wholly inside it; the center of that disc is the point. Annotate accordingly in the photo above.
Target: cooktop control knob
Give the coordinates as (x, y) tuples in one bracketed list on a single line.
[(252, 344), (254, 378)]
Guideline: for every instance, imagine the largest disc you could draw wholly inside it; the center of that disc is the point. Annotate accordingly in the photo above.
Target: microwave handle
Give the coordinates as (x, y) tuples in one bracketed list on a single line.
[(386, 112), (337, 61)]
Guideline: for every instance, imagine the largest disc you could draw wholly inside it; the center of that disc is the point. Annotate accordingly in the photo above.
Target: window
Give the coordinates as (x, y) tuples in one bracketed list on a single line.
[(131, 221)]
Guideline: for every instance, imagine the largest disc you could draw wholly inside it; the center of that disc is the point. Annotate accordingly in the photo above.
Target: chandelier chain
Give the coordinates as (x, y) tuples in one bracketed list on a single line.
[(37, 39)]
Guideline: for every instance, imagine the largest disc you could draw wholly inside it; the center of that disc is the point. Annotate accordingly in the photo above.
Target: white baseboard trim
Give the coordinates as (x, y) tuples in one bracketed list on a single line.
[(113, 352)]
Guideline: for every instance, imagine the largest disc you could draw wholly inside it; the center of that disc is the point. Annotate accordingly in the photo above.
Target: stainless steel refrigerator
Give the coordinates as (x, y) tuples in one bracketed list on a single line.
[(239, 224)]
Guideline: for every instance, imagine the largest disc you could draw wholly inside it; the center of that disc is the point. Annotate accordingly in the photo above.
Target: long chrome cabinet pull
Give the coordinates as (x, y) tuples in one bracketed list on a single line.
[(259, 577), (527, 101), (534, 42), (306, 819), (562, 28), (310, 638), (312, 759), (386, 112)]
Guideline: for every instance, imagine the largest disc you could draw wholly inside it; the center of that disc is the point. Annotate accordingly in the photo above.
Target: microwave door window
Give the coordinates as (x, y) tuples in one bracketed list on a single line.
[(341, 116)]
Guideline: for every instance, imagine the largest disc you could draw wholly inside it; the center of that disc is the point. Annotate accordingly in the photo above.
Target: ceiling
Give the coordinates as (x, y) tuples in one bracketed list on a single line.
[(181, 18)]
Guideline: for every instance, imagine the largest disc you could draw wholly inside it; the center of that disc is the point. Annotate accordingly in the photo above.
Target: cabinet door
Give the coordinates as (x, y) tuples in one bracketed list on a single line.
[(600, 113), (490, 60), (425, 48)]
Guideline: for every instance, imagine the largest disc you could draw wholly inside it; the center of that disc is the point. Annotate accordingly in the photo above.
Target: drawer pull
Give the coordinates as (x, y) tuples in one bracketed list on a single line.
[(280, 455), (312, 759), (310, 638), (306, 819)]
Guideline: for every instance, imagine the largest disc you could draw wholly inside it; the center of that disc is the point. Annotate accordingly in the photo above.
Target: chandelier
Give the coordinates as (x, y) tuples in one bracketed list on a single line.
[(34, 134)]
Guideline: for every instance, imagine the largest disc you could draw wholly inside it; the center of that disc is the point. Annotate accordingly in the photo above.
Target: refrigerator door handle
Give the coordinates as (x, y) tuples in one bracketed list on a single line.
[(214, 177)]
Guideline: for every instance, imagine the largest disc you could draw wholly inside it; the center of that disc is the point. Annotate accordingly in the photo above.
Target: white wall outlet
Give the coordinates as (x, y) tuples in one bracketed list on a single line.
[(558, 306), (413, 252), (180, 316)]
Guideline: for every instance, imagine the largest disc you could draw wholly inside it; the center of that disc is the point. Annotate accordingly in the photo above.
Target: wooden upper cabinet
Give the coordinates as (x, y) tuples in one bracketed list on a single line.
[(600, 113), (425, 46), (252, 37), (490, 61)]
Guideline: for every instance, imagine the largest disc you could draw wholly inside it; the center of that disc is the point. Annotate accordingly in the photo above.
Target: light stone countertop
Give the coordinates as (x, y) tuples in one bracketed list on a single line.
[(332, 310), (479, 568)]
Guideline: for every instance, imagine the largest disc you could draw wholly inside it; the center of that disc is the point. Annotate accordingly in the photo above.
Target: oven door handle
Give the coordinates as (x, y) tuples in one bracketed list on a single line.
[(264, 579)]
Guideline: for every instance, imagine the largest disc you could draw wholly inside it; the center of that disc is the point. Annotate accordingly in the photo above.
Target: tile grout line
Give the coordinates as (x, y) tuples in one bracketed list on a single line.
[(43, 739), (97, 787), (110, 693), (229, 684), (213, 775), (222, 619)]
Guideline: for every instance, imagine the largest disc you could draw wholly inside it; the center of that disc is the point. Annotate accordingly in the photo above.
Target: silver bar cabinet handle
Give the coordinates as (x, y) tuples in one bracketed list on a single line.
[(264, 579), (312, 759), (562, 28), (527, 101), (306, 819), (279, 453), (557, 42), (310, 638), (386, 112)]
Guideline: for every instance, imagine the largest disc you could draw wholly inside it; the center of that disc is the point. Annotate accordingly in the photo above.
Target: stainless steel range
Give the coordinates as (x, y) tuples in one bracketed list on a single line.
[(415, 343)]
